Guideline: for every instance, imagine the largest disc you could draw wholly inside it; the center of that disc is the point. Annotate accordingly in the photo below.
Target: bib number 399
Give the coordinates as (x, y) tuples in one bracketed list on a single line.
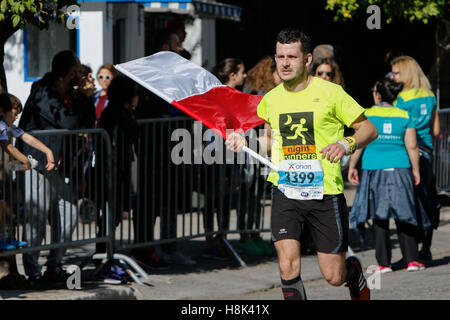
[(301, 179)]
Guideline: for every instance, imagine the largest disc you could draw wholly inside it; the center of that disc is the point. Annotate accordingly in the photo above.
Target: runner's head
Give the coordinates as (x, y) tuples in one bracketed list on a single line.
[(293, 54), (406, 69)]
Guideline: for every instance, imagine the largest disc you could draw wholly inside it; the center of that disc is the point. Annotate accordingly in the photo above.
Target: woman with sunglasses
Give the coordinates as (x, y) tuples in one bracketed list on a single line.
[(390, 171), (420, 102), (328, 69), (105, 75)]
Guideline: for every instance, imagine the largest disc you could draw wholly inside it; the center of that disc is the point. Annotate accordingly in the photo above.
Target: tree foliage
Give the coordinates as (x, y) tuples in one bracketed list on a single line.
[(18, 13), (422, 11)]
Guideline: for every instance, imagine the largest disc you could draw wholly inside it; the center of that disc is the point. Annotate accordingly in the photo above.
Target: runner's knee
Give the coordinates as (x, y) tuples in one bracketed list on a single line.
[(334, 277), (289, 268)]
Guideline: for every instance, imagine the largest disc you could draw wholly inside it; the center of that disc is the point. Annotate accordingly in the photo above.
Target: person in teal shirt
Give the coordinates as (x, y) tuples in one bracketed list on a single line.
[(390, 170), (420, 102)]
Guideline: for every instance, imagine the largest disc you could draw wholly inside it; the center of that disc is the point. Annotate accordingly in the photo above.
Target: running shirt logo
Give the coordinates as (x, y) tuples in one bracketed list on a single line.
[(423, 109), (297, 132), (387, 128)]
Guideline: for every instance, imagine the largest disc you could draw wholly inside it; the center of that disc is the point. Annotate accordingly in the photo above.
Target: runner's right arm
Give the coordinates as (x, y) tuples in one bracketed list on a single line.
[(236, 142)]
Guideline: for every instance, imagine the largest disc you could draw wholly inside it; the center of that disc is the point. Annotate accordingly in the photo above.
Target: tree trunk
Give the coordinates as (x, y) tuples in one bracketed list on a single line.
[(6, 31), (3, 83)]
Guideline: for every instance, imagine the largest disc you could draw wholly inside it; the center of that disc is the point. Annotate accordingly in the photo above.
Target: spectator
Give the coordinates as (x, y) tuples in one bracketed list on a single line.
[(328, 69), (120, 123), (53, 104), (105, 74), (262, 78), (177, 26), (144, 215), (10, 108), (230, 72), (323, 51), (87, 80), (390, 170), (420, 102)]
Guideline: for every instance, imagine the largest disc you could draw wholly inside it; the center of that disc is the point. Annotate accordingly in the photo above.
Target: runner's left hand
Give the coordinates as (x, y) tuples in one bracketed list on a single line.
[(333, 152)]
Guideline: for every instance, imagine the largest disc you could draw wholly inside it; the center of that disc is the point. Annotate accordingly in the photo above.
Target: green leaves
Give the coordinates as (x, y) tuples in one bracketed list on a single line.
[(392, 10), (18, 13)]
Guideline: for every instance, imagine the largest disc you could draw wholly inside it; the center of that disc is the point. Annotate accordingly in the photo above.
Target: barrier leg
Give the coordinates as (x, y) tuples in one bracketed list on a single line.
[(235, 254)]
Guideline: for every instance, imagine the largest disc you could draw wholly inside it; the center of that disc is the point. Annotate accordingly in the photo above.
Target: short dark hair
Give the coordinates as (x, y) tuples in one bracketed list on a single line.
[(85, 70), (163, 37), (63, 62), (290, 35), (388, 89), (5, 102), (121, 90)]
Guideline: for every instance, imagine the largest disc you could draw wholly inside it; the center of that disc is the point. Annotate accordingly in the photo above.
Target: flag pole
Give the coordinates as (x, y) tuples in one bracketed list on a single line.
[(260, 158)]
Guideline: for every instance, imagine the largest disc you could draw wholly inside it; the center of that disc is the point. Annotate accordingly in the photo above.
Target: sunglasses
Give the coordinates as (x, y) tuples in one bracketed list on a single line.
[(330, 74), (101, 77)]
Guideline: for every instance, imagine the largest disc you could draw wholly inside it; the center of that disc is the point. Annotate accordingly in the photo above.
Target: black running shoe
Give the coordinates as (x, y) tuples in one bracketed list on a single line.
[(358, 287)]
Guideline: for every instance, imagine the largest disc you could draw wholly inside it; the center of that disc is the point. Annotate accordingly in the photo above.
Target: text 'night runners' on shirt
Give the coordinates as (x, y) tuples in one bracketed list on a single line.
[(391, 123), (305, 122)]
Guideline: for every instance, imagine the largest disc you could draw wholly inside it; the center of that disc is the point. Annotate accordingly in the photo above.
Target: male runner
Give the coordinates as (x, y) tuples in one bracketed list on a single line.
[(309, 188)]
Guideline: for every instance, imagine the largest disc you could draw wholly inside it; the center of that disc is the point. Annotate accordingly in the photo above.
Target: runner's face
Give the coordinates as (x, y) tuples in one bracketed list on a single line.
[(291, 63)]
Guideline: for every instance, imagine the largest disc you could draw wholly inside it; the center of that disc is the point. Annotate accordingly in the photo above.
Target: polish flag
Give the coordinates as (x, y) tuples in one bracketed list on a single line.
[(195, 91)]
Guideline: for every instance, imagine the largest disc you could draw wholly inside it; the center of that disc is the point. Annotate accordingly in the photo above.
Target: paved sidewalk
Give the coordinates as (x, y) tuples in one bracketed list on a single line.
[(227, 280)]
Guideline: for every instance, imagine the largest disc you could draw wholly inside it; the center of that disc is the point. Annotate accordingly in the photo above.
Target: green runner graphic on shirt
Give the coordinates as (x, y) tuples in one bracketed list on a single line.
[(297, 132), (301, 173)]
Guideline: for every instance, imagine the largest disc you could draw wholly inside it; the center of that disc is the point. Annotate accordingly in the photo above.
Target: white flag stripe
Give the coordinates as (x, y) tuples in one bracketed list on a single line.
[(143, 83), (175, 77)]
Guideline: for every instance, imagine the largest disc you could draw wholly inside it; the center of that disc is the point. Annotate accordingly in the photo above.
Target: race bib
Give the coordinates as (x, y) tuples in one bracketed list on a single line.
[(301, 179)]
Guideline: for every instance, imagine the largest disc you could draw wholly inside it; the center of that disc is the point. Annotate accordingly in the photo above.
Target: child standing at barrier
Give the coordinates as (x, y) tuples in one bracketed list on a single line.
[(10, 108)]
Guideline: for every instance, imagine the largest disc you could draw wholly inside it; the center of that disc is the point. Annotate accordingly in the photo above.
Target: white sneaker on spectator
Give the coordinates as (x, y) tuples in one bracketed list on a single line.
[(177, 257)]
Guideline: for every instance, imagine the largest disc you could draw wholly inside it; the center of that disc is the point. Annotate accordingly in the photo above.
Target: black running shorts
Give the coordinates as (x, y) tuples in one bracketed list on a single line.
[(327, 220)]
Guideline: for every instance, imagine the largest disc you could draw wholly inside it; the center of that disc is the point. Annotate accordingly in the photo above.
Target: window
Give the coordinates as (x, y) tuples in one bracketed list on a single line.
[(119, 41), (41, 45)]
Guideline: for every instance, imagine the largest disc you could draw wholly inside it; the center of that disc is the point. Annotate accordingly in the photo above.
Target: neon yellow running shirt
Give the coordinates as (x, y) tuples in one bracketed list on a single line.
[(305, 122)]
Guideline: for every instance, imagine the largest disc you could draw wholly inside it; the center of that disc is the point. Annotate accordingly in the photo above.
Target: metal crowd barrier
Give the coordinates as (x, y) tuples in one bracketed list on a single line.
[(442, 152), (179, 193), (179, 185), (165, 200), (79, 187)]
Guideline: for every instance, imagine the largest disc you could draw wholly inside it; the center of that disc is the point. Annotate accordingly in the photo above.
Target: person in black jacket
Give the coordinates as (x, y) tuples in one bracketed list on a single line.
[(53, 103), (120, 123)]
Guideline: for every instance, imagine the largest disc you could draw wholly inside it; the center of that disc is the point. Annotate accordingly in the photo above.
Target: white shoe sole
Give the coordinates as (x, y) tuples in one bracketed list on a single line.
[(388, 270), (415, 268)]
